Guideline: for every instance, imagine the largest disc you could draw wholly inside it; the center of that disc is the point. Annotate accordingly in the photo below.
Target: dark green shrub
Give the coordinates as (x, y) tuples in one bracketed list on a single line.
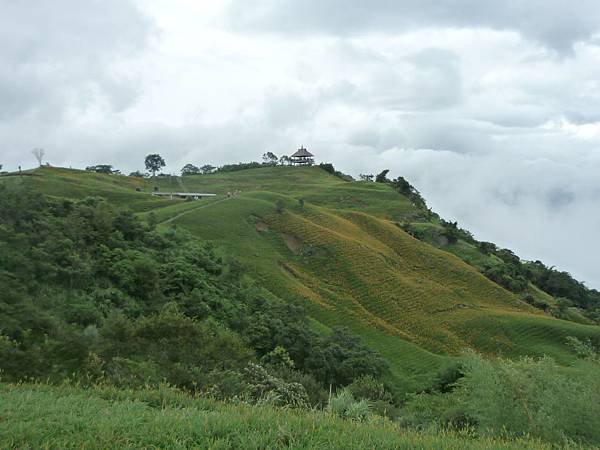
[(369, 389), (529, 397)]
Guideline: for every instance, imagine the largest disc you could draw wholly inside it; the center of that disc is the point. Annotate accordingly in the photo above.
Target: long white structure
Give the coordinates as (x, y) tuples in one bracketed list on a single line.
[(193, 195)]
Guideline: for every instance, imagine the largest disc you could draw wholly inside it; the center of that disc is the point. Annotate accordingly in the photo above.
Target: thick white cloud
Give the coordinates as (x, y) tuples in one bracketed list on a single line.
[(492, 109)]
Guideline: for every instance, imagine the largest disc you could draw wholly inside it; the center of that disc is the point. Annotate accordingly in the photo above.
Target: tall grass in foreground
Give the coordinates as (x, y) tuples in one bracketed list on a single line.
[(40, 416)]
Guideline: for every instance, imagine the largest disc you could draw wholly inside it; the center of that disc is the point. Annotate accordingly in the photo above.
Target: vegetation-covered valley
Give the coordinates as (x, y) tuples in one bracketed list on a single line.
[(294, 300)]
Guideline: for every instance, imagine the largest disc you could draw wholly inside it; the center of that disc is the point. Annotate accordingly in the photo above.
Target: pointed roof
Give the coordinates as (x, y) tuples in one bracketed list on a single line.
[(302, 152)]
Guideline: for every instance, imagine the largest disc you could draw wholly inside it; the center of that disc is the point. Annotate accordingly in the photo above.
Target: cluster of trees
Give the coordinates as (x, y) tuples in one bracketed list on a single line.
[(514, 274), (402, 186), (269, 159), (103, 168), (93, 292), (154, 163), (272, 160), (239, 166), (190, 169), (328, 167)]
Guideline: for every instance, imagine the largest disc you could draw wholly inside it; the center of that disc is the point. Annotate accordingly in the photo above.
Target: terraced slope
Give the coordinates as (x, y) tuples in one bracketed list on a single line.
[(353, 267), (342, 255)]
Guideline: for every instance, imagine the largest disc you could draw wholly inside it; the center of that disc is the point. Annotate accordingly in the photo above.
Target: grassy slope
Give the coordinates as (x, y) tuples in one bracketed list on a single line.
[(38, 416), (343, 257)]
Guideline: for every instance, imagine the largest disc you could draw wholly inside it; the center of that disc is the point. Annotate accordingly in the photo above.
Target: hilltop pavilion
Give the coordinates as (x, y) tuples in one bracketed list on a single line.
[(302, 157)]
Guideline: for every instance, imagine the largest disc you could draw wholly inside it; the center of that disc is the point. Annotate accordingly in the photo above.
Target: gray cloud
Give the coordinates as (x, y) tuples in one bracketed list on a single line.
[(544, 207), (468, 99), (58, 55), (555, 23)]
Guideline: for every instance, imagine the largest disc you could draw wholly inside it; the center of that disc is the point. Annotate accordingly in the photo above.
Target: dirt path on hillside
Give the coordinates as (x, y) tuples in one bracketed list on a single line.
[(177, 216), (181, 185)]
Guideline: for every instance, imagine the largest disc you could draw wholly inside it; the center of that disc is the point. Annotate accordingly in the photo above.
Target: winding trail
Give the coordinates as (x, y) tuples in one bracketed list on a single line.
[(181, 214)]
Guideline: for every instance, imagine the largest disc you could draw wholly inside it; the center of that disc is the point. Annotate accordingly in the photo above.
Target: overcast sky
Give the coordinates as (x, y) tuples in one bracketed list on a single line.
[(491, 109)]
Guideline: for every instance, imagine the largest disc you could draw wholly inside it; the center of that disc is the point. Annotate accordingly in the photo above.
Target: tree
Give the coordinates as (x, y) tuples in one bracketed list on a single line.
[(285, 160), (343, 357), (190, 169), (207, 168), (402, 186), (154, 163), (366, 177), (451, 231), (382, 177), (328, 167), (270, 159), (137, 174), (39, 154), (487, 248)]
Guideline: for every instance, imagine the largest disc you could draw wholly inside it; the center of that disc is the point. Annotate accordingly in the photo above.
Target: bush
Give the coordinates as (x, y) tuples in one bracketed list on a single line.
[(359, 411), (380, 400), (126, 372), (340, 402), (239, 166), (102, 168), (368, 388), (342, 357), (266, 388), (528, 397), (327, 167), (227, 385), (343, 404)]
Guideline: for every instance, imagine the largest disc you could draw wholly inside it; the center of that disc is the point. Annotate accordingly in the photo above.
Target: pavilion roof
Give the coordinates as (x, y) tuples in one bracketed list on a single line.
[(302, 152)]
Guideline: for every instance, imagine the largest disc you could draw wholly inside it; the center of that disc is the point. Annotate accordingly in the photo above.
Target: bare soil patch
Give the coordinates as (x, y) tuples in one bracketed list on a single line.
[(292, 242), (261, 226)]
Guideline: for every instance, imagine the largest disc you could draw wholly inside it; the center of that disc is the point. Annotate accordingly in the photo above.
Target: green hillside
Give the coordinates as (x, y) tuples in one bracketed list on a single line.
[(292, 287), (344, 256)]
